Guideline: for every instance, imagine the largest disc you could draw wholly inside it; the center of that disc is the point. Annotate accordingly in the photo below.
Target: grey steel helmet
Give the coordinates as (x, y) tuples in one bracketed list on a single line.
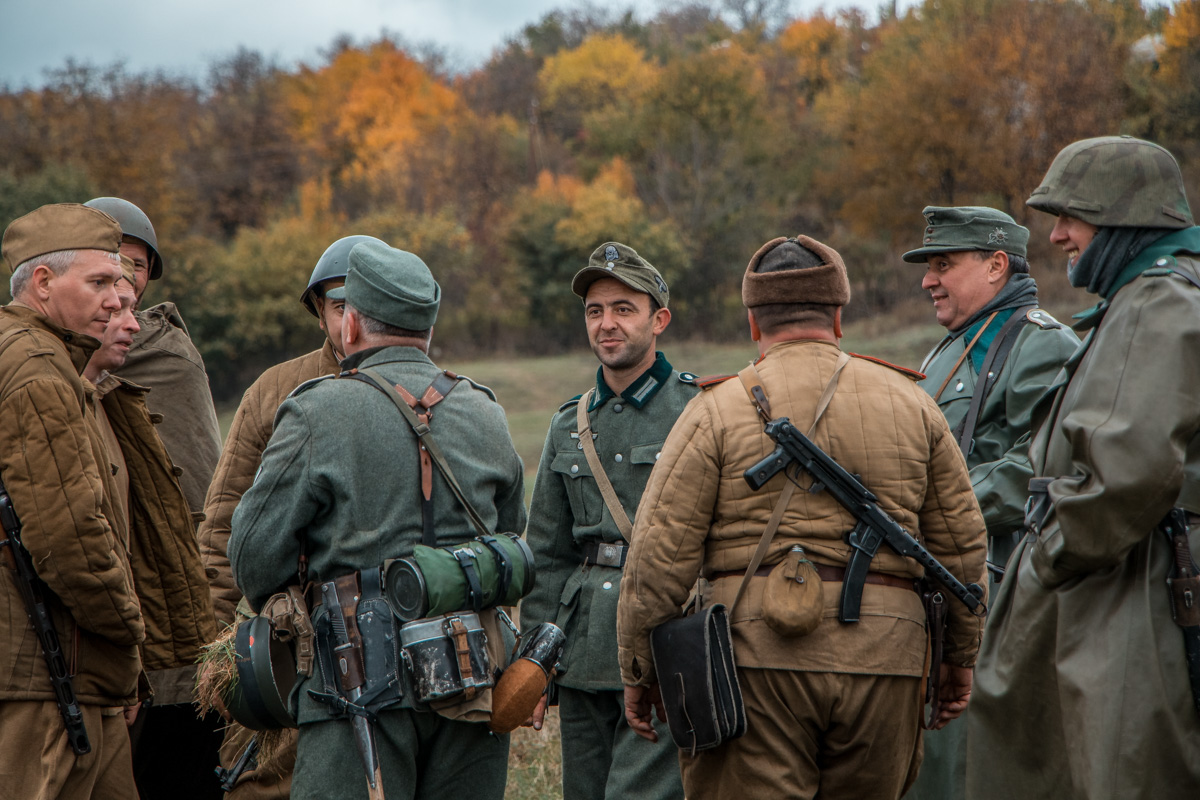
[(333, 263), (1115, 181), (134, 223)]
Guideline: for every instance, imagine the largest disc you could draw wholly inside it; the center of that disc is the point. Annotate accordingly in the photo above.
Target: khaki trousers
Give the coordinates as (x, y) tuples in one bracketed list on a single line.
[(37, 763), (815, 735)]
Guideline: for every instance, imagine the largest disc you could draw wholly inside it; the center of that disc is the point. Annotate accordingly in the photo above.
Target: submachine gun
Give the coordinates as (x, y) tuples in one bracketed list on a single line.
[(874, 526), (33, 590)]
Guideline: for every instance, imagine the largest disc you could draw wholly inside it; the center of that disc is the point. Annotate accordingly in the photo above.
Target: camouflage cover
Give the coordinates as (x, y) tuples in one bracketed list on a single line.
[(1115, 181)]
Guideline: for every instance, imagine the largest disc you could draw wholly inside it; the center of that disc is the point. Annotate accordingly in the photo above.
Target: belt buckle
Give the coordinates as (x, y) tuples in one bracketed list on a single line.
[(608, 555)]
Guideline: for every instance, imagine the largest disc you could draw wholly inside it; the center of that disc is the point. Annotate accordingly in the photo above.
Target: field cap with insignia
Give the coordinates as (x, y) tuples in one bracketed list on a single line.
[(390, 285), (621, 262), (780, 272), (62, 226), (957, 228), (1115, 181)]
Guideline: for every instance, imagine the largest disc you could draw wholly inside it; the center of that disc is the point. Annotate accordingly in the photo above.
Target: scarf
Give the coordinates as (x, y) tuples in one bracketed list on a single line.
[(1101, 263)]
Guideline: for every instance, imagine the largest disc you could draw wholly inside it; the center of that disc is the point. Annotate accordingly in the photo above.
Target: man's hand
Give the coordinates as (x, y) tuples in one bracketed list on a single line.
[(539, 714), (130, 713), (638, 700), (954, 692)]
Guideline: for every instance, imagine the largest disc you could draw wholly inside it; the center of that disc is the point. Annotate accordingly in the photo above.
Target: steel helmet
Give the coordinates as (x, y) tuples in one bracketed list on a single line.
[(333, 263), (1115, 181), (134, 223)]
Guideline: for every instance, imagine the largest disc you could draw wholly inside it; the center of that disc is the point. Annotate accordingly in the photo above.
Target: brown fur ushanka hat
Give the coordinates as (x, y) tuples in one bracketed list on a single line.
[(826, 284)]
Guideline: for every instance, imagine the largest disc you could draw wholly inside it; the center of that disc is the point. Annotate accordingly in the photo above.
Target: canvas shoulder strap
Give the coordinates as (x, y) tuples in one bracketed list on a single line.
[(757, 394), (611, 501), (993, 362), (429, 447)]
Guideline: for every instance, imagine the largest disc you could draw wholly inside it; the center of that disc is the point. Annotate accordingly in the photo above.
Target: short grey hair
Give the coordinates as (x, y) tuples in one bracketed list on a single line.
[(378, 328), (59, 262)]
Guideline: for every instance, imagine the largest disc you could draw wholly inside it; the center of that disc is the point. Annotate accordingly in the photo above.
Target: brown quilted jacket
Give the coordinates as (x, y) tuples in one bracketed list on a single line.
[(166, 558), (698, 516), (248, 437), (54, 465)]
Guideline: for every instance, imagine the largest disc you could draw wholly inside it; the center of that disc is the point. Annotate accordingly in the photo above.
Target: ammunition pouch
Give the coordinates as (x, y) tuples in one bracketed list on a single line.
[(447, 657), (382, 686), (484, 572)]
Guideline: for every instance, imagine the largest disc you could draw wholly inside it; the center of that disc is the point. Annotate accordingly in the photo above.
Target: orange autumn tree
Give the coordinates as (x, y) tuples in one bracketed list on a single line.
[(364, 118)]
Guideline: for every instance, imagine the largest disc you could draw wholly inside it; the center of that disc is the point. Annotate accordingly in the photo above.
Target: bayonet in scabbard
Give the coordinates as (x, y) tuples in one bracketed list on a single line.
[(340, 598)]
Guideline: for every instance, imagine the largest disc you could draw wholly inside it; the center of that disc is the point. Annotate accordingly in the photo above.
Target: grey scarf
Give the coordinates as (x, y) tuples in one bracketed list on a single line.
[(1021, 290), (1111, 249)]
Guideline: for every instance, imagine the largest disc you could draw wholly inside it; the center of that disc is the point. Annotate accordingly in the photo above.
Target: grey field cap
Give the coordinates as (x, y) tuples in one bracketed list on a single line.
[(621, 262), (393, 286), (953, 229)]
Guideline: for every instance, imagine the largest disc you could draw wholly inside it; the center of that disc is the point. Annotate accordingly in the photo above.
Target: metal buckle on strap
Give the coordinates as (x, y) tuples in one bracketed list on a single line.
[(605, 554)]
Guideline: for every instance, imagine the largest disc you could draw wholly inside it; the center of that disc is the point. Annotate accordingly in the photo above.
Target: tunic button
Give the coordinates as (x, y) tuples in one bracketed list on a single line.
[(618, 408), (656, 455), (1162, 262), (618, 458), (574, 468), (959, 387), (607, 584)]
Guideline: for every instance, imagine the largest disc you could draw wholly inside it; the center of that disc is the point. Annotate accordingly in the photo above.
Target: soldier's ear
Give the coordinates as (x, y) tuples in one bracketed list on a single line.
[(662, 318), (755, 331), (837, 322), (998, 267)]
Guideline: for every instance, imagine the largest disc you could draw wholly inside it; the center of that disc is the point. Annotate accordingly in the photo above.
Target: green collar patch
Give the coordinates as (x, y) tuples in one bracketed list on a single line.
[(1182, 241), (638, 393)]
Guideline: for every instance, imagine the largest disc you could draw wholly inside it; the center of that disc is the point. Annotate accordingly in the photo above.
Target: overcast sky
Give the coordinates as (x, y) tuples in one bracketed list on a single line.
[(184, 36)]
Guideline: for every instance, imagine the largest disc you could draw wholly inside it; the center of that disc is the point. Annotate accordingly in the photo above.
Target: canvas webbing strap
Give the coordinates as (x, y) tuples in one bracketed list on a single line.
[(752, 383), (938, 395), (424, 436), (993, 362), (611, 501)]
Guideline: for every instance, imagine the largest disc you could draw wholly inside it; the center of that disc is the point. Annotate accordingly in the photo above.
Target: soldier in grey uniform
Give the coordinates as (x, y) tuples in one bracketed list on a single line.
[(1083, 687), (999, 354), (341, 483), (579, 531)]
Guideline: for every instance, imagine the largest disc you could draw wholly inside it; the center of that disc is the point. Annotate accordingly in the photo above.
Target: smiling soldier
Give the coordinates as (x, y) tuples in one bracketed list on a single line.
[(595, 464), (999, 354)]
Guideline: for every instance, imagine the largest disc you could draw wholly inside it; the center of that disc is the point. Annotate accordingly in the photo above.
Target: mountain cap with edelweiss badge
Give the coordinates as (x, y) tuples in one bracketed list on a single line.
[(953, 229), (621, 262)]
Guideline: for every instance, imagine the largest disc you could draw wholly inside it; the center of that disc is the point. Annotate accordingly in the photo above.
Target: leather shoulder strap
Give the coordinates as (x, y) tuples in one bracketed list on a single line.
[(424, 435), (938, 394), (993, 362), (607, 491), (748, 376)]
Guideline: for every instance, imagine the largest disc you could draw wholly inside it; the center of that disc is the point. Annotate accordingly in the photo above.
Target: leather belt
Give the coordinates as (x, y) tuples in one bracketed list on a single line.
[(605, 554), (829, 575)]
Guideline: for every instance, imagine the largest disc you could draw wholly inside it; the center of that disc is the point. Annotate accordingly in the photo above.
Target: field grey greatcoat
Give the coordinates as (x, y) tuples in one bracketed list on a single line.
[(1081, 689)]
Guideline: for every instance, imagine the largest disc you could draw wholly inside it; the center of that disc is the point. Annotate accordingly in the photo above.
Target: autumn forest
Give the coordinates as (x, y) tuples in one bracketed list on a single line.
[(694, 136)]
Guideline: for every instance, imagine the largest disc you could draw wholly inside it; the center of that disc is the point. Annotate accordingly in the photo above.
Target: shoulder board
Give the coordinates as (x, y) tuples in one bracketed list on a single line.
[(486, 390), (1042, 319), (570, 402), (688, 378), (712, 380), (1168, 265), (308, 384), (910, 373)]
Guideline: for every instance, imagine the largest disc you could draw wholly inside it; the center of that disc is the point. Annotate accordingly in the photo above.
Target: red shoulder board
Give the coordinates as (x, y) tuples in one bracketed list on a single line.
[(912, 373), (712, 380)]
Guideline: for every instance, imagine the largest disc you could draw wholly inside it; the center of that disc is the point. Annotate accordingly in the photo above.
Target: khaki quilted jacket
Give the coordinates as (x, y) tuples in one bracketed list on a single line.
[(248, 436), (699, 517), (55, 467)]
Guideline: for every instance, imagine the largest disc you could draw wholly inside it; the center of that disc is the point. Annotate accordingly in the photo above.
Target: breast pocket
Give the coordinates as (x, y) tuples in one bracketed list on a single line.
[(645, 455), (581, 486)]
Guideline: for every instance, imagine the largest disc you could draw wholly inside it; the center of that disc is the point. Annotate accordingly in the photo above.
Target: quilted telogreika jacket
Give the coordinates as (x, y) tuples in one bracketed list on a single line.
[(54, 465)]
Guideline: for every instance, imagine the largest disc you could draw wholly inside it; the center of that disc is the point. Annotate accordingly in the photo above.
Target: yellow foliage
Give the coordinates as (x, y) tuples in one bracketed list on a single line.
[(1182, 28), (561, 188), (817, 48), (366, 110), (607, 209), (606, 70)]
